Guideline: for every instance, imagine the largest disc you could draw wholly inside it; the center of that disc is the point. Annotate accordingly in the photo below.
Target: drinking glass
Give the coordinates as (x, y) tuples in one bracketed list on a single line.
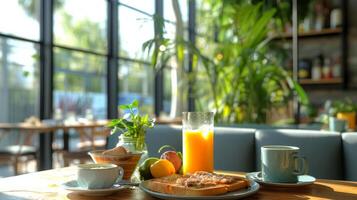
[(197, 131)]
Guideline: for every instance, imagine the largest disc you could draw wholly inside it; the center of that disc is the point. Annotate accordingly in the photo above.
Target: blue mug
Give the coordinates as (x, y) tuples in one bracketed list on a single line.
[(98, 176), (282, 164)]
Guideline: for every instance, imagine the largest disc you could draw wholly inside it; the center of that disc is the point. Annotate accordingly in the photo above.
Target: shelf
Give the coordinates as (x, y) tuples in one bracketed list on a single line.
[(321, 81), (323, 32)]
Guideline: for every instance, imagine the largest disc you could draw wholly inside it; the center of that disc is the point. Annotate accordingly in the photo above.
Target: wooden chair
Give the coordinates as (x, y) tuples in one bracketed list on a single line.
[(20, 152), (88, 142)]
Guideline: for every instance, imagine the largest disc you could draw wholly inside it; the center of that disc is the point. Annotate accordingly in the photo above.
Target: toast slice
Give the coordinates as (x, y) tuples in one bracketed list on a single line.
[(197, 184)]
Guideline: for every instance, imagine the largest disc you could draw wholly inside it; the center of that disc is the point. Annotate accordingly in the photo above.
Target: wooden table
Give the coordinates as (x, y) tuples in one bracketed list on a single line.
[(45, 155), (46, 185)]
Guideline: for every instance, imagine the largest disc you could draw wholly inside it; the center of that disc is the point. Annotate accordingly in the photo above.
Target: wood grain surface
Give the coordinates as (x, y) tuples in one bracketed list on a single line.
[(46, 185)]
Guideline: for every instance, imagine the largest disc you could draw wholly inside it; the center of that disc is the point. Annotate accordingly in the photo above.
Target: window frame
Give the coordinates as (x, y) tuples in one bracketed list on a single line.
[(46, 45)]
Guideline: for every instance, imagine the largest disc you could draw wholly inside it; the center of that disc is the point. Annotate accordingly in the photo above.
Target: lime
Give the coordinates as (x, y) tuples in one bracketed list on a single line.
[(144, 168)]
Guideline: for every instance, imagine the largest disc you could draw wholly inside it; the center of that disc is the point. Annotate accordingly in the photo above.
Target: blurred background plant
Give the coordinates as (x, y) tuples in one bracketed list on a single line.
[(343, 106), (235, 76)]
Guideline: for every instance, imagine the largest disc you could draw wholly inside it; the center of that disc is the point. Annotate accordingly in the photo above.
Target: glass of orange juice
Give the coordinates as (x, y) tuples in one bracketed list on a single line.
[(197, 131)]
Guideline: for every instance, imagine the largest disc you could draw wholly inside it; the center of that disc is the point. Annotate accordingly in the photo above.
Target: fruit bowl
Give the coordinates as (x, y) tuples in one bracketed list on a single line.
[(127, 161)]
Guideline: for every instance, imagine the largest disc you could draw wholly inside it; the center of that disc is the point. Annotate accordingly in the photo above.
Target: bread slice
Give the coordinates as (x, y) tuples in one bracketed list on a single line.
[(169, 185), (117, 151)]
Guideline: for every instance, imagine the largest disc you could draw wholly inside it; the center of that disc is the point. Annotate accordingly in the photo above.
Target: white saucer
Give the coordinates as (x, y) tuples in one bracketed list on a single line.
[(74, 187), (302, 180)]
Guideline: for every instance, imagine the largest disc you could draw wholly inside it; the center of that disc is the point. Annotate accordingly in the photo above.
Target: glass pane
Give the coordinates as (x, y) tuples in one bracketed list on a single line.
[(81, 24), (175, 91), (202, 90), (79, 84), (20, 18), (169, 13), (169, 74), (136, 81), (148, 6), (170, 31), (134, 29), (19, 85)]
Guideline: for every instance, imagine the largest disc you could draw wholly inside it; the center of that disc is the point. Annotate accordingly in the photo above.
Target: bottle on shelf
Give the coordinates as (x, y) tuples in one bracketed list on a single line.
[(307, 23), (336, 18), (336, 67), (316, 70), (304, 69), (322, 11), (326, 70)]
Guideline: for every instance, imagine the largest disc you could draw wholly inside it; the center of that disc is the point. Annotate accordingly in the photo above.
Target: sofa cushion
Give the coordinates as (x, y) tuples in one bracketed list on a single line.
[(161, 135), (350, 155), (322, 149), (112, 140), (233, 148)]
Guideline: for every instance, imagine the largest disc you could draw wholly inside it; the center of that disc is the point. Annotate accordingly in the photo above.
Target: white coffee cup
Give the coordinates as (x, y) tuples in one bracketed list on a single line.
[(98, 176)]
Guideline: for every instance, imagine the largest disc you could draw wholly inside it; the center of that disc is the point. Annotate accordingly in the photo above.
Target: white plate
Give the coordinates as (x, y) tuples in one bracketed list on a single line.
[(302, 180), (254, 187), (74, 187)]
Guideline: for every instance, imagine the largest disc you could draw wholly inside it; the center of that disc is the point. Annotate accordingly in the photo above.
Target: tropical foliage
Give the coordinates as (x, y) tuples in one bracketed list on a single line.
[(235, 76)]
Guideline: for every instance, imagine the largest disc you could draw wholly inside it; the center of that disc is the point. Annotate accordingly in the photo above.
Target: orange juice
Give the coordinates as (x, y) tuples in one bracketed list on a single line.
[(197, 151)]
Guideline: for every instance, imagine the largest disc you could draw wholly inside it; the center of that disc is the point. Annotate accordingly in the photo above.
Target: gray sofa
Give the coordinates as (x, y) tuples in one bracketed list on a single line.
[(330, 155)]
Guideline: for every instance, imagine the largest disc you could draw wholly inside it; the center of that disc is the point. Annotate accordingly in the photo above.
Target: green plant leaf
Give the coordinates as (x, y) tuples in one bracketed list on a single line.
[(134, 126), (135, 103), (124, 107), (303, 98)]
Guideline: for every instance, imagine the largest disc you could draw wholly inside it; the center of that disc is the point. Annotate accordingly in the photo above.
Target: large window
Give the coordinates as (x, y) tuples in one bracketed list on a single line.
[(136, 82), (19, 60), (80, 85), (136, 75), (81, 56), (81, 25), (19, 75), (135, 28), (174, 84), (205, 41), (79, 78)]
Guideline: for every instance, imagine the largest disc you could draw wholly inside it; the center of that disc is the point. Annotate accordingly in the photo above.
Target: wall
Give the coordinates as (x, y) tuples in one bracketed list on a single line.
[(352, 60)]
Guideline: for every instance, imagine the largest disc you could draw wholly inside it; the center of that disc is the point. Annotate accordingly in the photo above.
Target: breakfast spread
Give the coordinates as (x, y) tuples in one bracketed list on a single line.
[(164, 175), (199, 183)]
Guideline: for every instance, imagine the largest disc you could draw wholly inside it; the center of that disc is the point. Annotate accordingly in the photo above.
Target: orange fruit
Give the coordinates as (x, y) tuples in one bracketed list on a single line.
[(144, 168), (162, 168)]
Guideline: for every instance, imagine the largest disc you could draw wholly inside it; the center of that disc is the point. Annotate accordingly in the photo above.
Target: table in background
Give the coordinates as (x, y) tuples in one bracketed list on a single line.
[(46, 150), (46, 185)]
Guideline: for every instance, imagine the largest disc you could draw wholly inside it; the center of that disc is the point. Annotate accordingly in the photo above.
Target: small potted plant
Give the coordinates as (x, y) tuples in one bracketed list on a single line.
[(133, 127), (346, 110)]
